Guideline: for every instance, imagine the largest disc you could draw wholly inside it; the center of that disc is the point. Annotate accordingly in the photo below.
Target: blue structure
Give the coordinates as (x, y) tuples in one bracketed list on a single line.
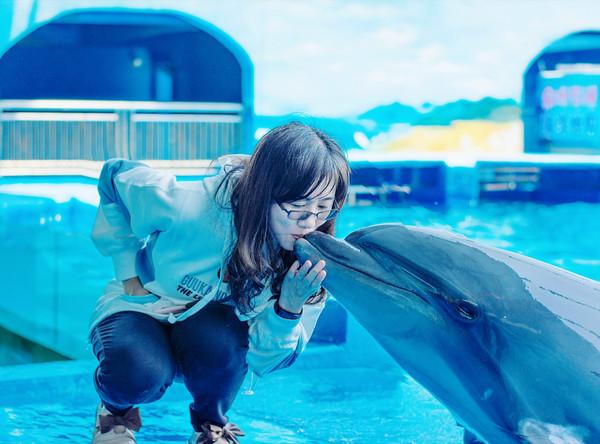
[(136, 83), (561, 111), (547, 178)]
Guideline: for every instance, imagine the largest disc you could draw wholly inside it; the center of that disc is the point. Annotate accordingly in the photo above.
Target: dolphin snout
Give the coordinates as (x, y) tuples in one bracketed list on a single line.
[(306, 251), (325, 246)]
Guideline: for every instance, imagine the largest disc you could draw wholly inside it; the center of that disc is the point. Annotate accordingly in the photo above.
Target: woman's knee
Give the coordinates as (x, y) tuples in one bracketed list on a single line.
[(134, 366), (130, 376)]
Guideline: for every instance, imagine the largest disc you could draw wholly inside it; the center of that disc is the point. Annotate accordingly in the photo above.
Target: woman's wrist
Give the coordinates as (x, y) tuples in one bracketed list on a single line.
[(287, 312), (133, 287)]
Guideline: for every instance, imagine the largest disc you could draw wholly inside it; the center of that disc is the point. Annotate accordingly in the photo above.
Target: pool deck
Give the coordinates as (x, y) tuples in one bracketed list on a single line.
[(301, 405), (89, 168)]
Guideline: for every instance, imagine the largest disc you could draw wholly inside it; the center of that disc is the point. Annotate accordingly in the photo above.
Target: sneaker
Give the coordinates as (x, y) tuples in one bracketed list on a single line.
[(115, 429), (214, 434)]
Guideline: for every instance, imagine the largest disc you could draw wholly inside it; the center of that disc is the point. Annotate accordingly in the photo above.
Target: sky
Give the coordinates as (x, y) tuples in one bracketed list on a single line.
[(343, 57)]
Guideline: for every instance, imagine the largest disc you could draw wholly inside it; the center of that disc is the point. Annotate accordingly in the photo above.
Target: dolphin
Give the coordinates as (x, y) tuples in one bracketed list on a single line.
[(510, 345)]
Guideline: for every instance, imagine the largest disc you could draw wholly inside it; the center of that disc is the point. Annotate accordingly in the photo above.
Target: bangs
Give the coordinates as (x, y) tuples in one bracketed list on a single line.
[(308, 176)]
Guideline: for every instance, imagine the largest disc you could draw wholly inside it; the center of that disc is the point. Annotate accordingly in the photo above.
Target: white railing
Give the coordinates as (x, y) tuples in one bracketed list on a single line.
[(97, 130)]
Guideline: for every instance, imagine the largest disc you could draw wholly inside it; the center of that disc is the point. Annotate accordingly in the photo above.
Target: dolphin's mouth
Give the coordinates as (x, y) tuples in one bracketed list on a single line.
[(388, 284), (303, 249)]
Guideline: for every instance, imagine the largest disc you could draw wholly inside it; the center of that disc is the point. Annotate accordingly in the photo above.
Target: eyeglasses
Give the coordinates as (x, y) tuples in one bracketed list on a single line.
[(323, 216)]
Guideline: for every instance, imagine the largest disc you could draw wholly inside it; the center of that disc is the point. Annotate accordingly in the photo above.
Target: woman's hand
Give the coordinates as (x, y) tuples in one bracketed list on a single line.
[(133, 287), (300, 283)]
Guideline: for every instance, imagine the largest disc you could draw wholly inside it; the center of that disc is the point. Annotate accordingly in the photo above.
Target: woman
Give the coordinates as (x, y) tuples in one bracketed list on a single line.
[(206, 280)]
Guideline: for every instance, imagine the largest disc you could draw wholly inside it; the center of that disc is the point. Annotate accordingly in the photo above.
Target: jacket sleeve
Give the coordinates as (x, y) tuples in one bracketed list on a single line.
[(135, 201), (275, 342)]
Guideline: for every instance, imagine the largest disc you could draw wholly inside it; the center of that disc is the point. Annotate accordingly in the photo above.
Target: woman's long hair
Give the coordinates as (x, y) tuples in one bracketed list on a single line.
[(289, 163)]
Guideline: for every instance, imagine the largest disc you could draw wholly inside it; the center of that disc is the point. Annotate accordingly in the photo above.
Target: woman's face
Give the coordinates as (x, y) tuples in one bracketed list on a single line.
[(288, 231)]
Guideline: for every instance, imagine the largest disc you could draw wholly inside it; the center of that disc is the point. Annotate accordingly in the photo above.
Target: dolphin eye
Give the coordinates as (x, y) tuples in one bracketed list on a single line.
[(467, 310)]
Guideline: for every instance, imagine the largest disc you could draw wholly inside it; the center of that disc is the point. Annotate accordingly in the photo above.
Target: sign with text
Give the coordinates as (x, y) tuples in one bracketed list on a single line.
[(568, 109)]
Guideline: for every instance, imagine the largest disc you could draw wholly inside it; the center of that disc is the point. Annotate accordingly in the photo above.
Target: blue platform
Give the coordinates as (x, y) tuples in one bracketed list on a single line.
[(442, 180)]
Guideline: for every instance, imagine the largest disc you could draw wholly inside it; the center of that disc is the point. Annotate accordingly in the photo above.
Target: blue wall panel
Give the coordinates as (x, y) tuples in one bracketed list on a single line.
[(101, 73)]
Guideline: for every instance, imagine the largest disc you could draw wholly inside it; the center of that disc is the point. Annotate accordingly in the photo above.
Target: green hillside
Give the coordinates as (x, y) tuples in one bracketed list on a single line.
[(381, 118)]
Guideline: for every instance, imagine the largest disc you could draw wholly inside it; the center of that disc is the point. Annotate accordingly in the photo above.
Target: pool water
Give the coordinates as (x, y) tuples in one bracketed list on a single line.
[(565, 235)]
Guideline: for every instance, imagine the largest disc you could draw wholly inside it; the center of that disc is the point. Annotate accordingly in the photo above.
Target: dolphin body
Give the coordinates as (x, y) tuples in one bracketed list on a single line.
[(510, 345)]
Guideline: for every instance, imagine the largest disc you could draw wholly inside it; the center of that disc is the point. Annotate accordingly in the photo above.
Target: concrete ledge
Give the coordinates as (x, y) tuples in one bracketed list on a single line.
[(91, 168)]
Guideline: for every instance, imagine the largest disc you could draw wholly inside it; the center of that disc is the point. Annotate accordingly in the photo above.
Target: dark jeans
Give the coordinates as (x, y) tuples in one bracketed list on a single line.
[(139, 357)]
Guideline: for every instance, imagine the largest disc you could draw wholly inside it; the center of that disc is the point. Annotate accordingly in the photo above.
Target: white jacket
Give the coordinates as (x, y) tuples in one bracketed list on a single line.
[(176, 237)]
